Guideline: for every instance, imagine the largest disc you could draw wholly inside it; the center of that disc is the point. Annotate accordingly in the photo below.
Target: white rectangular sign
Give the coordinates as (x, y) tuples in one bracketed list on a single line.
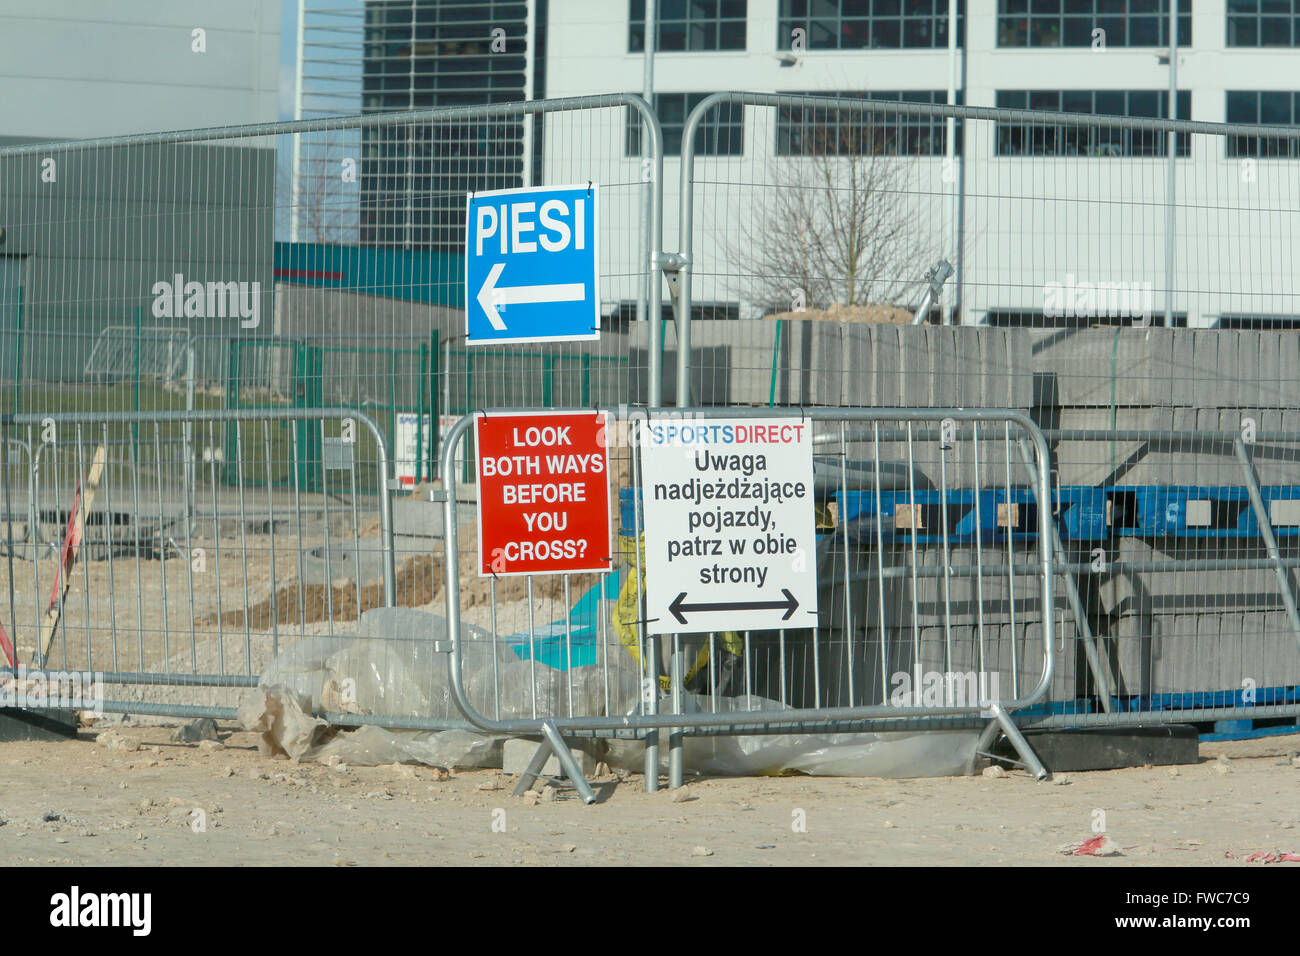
[(411, 445), (532, 265), (729, 539)]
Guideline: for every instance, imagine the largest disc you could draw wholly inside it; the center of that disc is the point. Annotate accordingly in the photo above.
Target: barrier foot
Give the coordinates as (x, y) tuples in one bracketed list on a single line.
[(1018, 741), (983, 746), (553, 743)]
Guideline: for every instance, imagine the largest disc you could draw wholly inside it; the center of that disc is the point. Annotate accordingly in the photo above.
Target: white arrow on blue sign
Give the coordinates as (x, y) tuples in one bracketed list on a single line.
[(532, 265)]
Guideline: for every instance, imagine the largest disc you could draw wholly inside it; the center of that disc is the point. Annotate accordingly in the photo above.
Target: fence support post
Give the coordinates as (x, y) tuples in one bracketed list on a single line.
[(1018, 741), (434, 410), (553, 743), (18, 354)]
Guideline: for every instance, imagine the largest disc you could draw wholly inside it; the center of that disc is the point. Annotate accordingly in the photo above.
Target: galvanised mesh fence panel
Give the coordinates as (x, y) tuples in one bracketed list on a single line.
[(121, 254), (1125, 282), (191, 282)]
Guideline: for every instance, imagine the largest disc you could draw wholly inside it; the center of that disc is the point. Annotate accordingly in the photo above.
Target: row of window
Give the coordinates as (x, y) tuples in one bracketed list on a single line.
[(686, 25), (1020, 139), (1100, 23), (840, 131), (866, 24)]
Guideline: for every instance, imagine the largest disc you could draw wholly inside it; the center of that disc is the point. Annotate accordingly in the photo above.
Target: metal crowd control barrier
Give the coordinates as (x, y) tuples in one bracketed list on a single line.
[(1180, 567), (900, 598), (174, 570)]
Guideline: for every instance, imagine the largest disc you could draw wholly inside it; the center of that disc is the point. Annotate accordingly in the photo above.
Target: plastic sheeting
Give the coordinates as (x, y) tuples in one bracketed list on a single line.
[(282, 717), (391, 669), (891, 754)]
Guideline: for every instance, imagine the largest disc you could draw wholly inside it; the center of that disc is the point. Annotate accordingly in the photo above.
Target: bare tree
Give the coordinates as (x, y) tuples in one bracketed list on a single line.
[(842, 224), (328, 192)]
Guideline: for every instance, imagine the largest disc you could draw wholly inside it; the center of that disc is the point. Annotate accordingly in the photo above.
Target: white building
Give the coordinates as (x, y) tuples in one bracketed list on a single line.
[(1028, 221), (1021, 212)]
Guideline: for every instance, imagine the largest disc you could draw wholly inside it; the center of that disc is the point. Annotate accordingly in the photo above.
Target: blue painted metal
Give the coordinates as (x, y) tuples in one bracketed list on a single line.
[(930, 504), (1079, 510), (1082, 512), (1251, 732), (1162, 511)]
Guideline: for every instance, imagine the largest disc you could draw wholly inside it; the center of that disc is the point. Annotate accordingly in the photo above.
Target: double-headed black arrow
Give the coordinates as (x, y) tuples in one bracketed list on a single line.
[(679, 606)]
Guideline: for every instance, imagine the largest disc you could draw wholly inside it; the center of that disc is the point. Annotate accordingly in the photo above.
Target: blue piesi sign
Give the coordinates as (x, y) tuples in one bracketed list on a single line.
[(531, 265)]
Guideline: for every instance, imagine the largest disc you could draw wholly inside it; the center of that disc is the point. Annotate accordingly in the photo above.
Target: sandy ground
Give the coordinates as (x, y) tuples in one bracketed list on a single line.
[(77, 803)]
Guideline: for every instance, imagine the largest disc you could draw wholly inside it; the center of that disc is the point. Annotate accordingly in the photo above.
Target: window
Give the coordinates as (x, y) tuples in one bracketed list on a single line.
[(1267, 323), (1029, 319), (690, 25), (427, 54), (1052, 138), (1072, 22), (1263, 23), (624, 313), (866, 24), (828, 131), (414, 177), (1263, 108), (722, 133)]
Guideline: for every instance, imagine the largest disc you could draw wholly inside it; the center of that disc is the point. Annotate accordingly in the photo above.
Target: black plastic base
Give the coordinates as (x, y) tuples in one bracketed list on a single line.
[(1111, 748), (17, 724)]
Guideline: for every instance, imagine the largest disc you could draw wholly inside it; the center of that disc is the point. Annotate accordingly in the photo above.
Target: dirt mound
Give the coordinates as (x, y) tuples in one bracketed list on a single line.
[(887, 314), (418, 582)]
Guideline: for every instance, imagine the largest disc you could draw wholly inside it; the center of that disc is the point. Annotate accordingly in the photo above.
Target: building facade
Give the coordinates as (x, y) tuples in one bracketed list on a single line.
[(72, 264), (1021, 219), (1023, 210)]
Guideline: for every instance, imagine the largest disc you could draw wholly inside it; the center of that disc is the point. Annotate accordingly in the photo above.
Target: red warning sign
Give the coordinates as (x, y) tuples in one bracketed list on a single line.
[(543, 493)]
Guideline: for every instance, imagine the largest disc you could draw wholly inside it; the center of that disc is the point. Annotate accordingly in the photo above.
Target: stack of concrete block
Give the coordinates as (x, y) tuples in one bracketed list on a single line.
[(853, 364), (1202, 380), (1185, 630), (1179, 631), (916, 613), (1204, 651)]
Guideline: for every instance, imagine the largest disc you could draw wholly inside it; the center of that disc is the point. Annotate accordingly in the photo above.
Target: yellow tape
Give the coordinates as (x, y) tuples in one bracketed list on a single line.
[(628, 607)]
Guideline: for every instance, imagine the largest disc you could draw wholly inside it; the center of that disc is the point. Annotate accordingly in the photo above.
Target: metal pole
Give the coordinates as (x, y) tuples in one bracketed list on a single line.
[(1091, 647), (950, 144), (189, 435), (1018, 742), (297, 115), (651, 212), (647, 94), (1170, 166), (530, 91), (676, 754), (684, 243)]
